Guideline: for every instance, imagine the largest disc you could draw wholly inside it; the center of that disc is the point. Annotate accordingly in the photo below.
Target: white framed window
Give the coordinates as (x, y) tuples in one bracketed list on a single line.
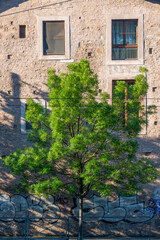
[(124, 39), (26, 126), (53, 38)]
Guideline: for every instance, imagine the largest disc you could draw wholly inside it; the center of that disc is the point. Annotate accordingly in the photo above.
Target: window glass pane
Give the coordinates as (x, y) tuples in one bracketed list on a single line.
[(131, 32), (53, 38), (131, 53), (118, 53), (117, 32), (59, 46), (124, 53)]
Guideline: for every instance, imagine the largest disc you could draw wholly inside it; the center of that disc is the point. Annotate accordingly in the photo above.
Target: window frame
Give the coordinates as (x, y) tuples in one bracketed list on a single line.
[(121, 80), (140, 37), (66, 54), (124, 45), (24, 130)]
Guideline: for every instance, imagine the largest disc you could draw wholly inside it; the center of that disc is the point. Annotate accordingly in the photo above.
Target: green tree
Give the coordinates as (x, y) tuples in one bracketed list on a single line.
[(80, 142)]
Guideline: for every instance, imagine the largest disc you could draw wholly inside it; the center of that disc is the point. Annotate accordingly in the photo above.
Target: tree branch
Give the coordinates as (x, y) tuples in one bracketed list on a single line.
[(87, 160), (87, 190), (64, 142), (78, 128), (47, 126), (70, 131)]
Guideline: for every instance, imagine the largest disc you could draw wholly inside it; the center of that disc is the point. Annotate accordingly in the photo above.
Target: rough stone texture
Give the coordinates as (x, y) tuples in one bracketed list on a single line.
[(23, 75)]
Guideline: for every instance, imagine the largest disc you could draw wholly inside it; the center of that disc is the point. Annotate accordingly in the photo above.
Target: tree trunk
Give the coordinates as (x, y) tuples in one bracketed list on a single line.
[(80, 235), (80, 208), (80, 217)]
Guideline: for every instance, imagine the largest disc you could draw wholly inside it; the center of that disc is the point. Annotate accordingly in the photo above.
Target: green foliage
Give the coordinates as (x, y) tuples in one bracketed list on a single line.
[(81, 142), (128, 103), (143, 69)]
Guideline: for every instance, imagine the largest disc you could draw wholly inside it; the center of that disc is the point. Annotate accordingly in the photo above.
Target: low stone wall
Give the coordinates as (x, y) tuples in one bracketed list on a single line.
[(125, 216)]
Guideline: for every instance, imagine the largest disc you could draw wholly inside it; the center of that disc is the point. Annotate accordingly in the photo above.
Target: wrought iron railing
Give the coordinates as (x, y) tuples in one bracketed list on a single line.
[(67, 228)]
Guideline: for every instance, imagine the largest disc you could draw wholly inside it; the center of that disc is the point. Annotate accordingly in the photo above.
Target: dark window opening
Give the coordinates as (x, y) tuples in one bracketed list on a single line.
[(124, 39), (155, 122), (22, 31), (154, 89), (9, 56), (53, 38), (28, 124), (126, 109)]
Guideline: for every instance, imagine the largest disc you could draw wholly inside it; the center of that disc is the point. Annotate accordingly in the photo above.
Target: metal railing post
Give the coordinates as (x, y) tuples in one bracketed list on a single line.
[(149, 237), (67, 227), (27, 229)]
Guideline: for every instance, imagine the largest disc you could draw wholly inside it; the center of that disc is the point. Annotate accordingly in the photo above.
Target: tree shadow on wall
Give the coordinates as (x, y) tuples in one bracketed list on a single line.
[(9, 102), (10, 127), (149, 147), (5, 5)]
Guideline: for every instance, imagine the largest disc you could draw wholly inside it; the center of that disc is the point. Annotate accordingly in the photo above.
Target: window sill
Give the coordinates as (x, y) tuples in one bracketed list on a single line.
[(67, 61), (53, 57), (23, 131), (125, 62)]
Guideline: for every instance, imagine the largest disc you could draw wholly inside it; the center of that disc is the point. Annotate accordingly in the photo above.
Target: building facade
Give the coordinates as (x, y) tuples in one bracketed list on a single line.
[(117, 36)]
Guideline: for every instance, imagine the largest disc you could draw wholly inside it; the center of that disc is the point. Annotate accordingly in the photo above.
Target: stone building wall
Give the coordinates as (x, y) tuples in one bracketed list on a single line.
[(23, 73)]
